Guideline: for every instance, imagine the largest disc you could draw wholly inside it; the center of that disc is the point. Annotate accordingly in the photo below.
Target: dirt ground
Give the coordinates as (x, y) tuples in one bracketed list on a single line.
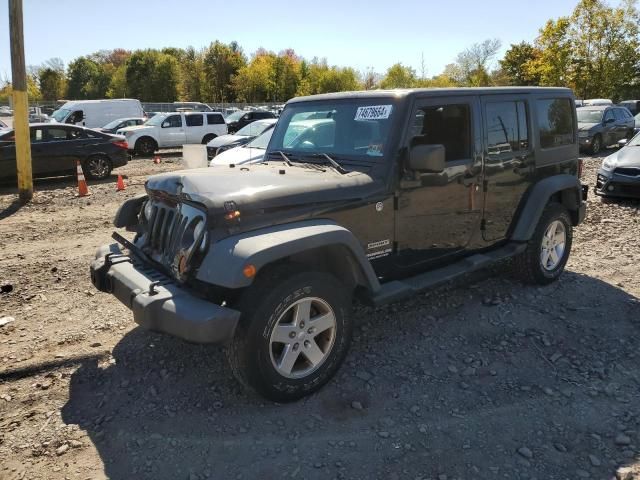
[(483, 379)]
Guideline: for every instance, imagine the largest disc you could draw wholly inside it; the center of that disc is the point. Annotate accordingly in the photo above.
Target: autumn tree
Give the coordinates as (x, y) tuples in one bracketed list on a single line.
[(516, 65), (221, 63), (399, 76)]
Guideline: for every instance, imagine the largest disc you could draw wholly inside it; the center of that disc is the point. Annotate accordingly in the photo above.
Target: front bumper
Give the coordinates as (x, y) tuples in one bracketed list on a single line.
[(157, 302), (609, 183)]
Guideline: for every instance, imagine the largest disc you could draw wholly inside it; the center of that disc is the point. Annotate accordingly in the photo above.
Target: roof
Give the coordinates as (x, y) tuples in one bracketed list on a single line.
[(409, 92), (597, 107)]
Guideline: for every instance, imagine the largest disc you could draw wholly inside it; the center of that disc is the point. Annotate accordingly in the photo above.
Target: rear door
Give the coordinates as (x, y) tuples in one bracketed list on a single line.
[(8, 156), (609, 128), (172, 131), (194, 127), (216, 123), (508, 161)]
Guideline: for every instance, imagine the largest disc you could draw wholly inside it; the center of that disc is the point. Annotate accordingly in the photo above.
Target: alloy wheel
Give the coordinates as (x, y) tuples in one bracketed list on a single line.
[(98, 167), (553, 245)]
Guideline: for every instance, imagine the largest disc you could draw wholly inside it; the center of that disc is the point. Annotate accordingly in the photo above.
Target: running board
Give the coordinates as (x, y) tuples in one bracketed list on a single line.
[(396, 290)]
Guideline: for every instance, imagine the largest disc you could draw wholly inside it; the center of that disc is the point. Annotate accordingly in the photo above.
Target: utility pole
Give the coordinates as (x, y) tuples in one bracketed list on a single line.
[(20, 102)]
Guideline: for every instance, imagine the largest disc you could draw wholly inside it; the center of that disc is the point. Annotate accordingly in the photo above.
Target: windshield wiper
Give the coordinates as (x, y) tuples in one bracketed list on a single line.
[(333, 163), (284, 157)]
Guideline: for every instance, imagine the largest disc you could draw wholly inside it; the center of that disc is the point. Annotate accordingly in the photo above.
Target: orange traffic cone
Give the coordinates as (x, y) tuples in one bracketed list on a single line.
[(83, 189), (156, 159), (120, 184)]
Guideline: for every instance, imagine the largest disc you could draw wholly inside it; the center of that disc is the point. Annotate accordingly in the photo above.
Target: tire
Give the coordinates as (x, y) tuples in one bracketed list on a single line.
[(207, 138), (596, 144), (529, 265), (146, 146), (97, 167), (258, 357)]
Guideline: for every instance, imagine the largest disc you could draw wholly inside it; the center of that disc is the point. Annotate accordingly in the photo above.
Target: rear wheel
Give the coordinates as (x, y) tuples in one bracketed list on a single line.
[(97, 167), (548, 250), (596, 144), (208, 138), (293, 335), (146, 146)]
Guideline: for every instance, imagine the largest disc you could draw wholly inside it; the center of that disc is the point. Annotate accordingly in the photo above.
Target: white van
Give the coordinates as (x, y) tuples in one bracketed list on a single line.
[(97, 113), (592, 102)]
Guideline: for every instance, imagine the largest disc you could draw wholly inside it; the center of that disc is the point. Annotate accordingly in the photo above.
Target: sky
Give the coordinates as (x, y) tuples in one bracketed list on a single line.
[(365, 35)]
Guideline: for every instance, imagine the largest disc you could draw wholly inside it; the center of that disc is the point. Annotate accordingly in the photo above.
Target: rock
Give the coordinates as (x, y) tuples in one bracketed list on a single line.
[(624, 473), (595, 461), (414, 409), (555, 357), (363, 375), (560, 447), (62, 449), (6, 397), (356, 405), (383, 434), (468, 372), (582, 473), (525, 452), (622, 439), (452, 369), (75, 443), (95, 345), (6, 321)]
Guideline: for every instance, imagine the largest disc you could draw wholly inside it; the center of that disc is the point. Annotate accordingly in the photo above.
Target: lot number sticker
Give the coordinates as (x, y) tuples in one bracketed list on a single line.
[(373, 112)]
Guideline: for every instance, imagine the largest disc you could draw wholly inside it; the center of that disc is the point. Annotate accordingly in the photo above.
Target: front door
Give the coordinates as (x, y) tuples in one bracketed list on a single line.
[(508, 162), (437, 213), (172, 132)]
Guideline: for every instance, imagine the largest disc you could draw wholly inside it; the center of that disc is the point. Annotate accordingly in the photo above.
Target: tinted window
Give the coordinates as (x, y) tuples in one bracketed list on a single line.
[(214, 119), (608, 115), (555, 122), (448, 125), (502, 127), (57, 134), (37, 135), (172, 121), (194, 120)]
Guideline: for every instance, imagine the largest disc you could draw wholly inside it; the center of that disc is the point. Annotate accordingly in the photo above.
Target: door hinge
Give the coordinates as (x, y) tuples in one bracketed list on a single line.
[(483, 224), (485, 185)]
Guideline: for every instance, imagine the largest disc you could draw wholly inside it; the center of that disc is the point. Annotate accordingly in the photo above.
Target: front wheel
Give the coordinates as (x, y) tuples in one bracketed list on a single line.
[(208, 138), (293, 335), (596, 145), (548, 250)]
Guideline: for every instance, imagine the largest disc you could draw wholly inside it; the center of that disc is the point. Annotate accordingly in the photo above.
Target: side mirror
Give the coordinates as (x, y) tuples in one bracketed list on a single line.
[(427, 158), (609, 120)]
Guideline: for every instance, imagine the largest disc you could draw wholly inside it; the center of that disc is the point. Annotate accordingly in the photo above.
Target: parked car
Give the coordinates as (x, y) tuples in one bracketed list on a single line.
[(191, 107), (37, 116), (241, 118), (637, 123), (251, 152), (174, 130), (592, 102), (242, 136), (387, 198), (632, 105), (619, 175), (602, 126), (55, 149), (5, 112), (96, 113), (117, 124), (148, 115), (3, 126)]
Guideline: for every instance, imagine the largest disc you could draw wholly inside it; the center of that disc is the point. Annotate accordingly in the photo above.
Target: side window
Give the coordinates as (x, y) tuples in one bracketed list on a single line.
[(555, 122), (56, 134), (172, 121), (132, 123), (37, 135), (448, 125), (73, 134), (214, 119), (506, 127), (194, 120), (608, 116)]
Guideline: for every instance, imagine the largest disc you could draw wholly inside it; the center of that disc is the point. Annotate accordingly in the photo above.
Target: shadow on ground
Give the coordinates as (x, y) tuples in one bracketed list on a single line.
[(450, 383)]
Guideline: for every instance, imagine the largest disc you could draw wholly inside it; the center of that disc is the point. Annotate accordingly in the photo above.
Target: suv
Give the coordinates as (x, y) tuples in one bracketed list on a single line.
[(174, 130), (394, 192), (601, 126), (240, 119)]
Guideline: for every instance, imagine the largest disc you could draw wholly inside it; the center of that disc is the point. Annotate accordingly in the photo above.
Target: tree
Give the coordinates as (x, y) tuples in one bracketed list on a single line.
[(191, 75), (118, 84), (399, 76), (255, 81), (87, 79), (516, 64), (152, 76), (475, 62), (52, 84), (221, 63)]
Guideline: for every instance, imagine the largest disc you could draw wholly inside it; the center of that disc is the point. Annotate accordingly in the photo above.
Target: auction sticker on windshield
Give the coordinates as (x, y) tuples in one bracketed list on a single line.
[(373, 112)]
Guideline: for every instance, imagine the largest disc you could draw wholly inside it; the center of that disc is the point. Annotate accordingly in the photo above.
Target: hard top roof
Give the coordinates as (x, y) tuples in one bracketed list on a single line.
[(420, 92)]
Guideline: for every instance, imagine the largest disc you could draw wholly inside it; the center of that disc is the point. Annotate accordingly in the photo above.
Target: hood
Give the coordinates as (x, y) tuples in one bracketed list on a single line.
[(135, 128), (626, 157), (238, 156), (262, 186), (226, 140), (584, 127)]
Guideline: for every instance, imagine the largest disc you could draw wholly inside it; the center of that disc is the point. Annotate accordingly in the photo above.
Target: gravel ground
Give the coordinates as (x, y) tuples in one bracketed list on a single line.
[(485, 378)]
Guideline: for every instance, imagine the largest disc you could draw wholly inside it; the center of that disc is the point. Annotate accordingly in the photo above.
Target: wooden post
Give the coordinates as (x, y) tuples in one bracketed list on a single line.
[(20, 102)]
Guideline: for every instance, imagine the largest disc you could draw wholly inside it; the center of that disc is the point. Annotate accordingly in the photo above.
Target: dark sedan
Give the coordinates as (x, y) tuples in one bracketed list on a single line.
[(241, 137), (241, 118), (619, 175), (601, 126), (55, 148)]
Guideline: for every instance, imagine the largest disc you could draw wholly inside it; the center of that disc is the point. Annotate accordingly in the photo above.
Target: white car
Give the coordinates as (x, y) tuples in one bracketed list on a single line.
[(251, 152), (166, 130)]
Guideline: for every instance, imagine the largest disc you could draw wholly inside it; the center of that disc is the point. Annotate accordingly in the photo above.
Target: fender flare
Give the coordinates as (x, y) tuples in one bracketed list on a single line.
[(225, 259), (127, 214), (537, 200)]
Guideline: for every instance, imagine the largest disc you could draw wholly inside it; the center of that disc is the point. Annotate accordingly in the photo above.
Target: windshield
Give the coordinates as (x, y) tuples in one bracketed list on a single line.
[(253, 129), (113, 124), (156, 120), (589, 116), (235, 116), (261, 141), (357, 129), (60, 114)]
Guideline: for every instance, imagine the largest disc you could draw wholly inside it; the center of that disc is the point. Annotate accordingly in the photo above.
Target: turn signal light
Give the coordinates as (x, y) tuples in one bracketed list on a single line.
[(232, 215), (249, 271)]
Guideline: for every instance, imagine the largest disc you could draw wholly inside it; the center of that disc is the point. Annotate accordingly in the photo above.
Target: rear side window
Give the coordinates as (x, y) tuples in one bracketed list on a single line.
[(214, 119), (194, 120), (506, 127), (555, 122), (57, 134)]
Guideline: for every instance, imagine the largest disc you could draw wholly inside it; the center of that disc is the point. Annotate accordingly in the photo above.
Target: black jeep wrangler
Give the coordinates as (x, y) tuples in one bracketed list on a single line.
[(371, 195)]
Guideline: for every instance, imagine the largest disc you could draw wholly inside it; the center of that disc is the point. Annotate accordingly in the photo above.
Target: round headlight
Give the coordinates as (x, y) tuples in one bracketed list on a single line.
[(609, 163)]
